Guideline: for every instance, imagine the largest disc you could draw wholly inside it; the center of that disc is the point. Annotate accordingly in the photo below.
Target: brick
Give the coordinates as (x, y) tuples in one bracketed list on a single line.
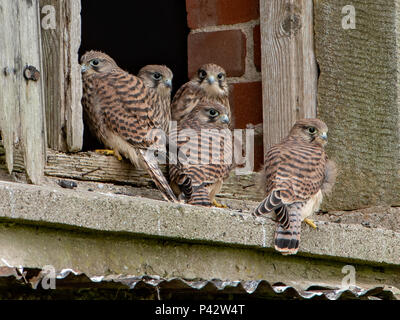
[(246, 102), (246, 105), (257, 47), (225, 48), (202, 13)]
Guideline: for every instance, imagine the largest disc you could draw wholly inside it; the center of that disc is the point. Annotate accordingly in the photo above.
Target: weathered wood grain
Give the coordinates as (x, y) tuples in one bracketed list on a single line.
[(289, 70), (90, 166), (9, 108), (94, 167), (53, 76), (21, 105), (73, 94), (359, 99), (63, 89)]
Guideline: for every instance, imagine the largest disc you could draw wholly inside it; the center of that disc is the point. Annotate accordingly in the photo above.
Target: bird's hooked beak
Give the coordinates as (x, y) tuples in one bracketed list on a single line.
[(211, 80), (168, 83), (324, 136), (84, 68), (224, 118)]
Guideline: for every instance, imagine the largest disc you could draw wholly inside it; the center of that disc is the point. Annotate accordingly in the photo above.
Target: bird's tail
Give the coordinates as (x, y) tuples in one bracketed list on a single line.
[(151, 165), (287, 240), (200, 197), (274, 203), (185, 185)]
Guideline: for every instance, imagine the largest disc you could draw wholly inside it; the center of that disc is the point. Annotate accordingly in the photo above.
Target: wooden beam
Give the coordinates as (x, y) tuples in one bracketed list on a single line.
[(90, 166), (289, 70), (9, 108), (73, 93), (63, 89), (21, 106)]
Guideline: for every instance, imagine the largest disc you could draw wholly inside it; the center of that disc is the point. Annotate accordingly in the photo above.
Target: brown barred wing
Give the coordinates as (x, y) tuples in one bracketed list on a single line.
[(293, 173), (301, 171), (211, 165), (276, 198), (129, 108), (273, 203)]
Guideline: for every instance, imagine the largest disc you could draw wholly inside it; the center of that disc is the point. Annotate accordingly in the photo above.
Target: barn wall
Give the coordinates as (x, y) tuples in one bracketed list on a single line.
[(358, 98), (227, 32)]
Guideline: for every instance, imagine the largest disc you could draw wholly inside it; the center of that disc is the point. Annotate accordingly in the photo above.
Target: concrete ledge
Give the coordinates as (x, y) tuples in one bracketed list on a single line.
[(141, 217)]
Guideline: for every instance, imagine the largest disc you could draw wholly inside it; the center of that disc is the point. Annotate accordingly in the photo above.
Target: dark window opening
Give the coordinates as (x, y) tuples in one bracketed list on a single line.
[(134, 34)]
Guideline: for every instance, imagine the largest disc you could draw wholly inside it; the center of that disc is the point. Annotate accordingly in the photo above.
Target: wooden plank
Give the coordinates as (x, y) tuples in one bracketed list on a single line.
[(289, 70), (359, 99), (94, 167), (53, 74), (90, 166), (19, 162), (72, 42), (62, 74), (32, 104), (9, 108), (23, 119)]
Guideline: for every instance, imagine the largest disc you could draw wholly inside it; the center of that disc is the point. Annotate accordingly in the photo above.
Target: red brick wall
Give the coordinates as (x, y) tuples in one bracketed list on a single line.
[(227, 32)]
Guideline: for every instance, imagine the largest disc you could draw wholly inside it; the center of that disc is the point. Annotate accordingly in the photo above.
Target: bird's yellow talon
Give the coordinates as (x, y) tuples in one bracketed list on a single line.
[(218, 205), (310, 223), (107, 152)]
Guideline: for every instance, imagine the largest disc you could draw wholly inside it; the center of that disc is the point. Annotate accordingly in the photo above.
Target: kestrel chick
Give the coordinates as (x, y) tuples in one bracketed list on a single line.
[(207, 85), (159, 78), (123, 114), (206, 138), (297, 172)]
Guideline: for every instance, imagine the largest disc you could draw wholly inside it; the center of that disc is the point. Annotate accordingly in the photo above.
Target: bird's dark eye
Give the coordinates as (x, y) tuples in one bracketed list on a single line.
[(157, 76), (311, 130), (202, 74), (94, 62), (220, 76), (213, 113)]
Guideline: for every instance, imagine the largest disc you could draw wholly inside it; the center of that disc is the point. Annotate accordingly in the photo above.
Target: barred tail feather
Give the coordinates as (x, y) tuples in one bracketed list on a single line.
[(200, 197), (287, 240), (274, 203), (156, 174), (185, 185)]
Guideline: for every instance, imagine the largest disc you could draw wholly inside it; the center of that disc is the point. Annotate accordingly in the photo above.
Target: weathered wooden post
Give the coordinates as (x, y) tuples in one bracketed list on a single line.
[(61, 39), (21, 97), (289, 69), (358, 52)]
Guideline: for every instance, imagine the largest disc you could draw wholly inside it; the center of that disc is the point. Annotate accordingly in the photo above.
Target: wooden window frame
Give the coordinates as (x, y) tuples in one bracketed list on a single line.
[(289, 77), (62, 80), (289, 67)]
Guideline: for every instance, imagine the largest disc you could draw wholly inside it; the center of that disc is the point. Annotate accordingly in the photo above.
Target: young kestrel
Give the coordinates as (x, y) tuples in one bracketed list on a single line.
[(207, 85), (159, 78), (296, 175), (205, 139), (124, 114)]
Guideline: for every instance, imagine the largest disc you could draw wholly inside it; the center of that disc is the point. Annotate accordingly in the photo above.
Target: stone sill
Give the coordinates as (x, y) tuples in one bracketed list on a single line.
[(144, 218)]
